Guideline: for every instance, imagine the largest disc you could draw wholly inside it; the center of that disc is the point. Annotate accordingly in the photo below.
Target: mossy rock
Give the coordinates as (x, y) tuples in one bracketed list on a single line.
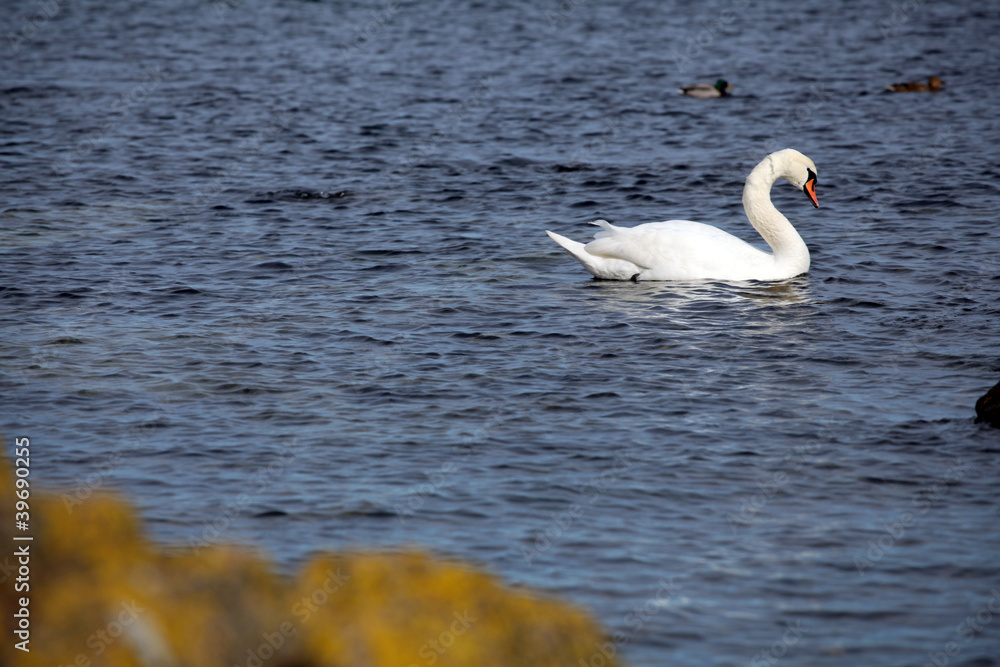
[(102, 594)]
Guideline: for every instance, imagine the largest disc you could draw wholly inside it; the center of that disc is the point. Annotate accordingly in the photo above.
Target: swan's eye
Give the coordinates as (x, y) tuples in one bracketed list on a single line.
[(812, 175)]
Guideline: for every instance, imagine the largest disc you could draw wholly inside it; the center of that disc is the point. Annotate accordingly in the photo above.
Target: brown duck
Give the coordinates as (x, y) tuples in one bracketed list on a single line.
[(933, 84)]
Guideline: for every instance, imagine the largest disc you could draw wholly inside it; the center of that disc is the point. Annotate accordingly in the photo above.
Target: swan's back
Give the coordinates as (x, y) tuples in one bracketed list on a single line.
[(680, 250)]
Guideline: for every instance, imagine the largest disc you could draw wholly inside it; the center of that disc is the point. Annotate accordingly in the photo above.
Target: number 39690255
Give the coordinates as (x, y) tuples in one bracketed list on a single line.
[(22, 462)]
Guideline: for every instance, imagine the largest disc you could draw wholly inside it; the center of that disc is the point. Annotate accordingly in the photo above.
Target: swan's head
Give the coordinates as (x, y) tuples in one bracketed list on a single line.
[(798, 170)]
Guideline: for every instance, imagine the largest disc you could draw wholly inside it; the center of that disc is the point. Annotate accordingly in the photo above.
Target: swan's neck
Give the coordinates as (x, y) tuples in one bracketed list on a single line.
[(790, 250)]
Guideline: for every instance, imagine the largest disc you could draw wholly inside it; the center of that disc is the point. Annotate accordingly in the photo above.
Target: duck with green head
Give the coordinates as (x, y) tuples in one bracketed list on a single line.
[(705, 90)]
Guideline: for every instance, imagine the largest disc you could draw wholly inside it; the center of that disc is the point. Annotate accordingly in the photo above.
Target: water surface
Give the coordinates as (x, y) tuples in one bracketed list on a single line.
[(294, 252)]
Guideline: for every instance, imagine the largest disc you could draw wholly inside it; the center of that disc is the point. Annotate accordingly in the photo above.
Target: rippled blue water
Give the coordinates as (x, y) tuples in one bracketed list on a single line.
[(278, 271)]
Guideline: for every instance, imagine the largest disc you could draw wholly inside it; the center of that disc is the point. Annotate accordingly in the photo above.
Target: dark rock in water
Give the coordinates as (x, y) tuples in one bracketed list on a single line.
[(988, 407)]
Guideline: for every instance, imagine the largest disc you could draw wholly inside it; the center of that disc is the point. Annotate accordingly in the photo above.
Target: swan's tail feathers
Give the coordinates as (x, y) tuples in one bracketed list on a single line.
[(574, 248), (607, 268), (578, 250)]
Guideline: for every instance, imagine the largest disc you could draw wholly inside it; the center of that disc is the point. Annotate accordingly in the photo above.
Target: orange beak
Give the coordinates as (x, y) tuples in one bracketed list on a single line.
[(810, 189)]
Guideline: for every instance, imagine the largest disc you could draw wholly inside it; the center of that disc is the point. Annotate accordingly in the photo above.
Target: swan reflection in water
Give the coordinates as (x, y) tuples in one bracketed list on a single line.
[(684, 302)]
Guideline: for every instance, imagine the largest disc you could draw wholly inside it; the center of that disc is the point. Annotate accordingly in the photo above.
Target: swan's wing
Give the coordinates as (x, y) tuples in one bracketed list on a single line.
[(646, 244), (607, 229), (674, 248)]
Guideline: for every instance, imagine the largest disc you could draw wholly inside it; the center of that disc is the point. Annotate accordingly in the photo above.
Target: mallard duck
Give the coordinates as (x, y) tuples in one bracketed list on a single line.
[(705, 90), (933, 84)]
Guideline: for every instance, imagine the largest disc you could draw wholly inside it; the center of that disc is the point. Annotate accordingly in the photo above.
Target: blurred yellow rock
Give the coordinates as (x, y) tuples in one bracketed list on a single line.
[(101, 594)]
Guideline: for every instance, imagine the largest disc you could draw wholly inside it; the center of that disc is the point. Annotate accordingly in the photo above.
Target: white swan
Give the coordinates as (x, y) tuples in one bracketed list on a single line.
[(685, 250)]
